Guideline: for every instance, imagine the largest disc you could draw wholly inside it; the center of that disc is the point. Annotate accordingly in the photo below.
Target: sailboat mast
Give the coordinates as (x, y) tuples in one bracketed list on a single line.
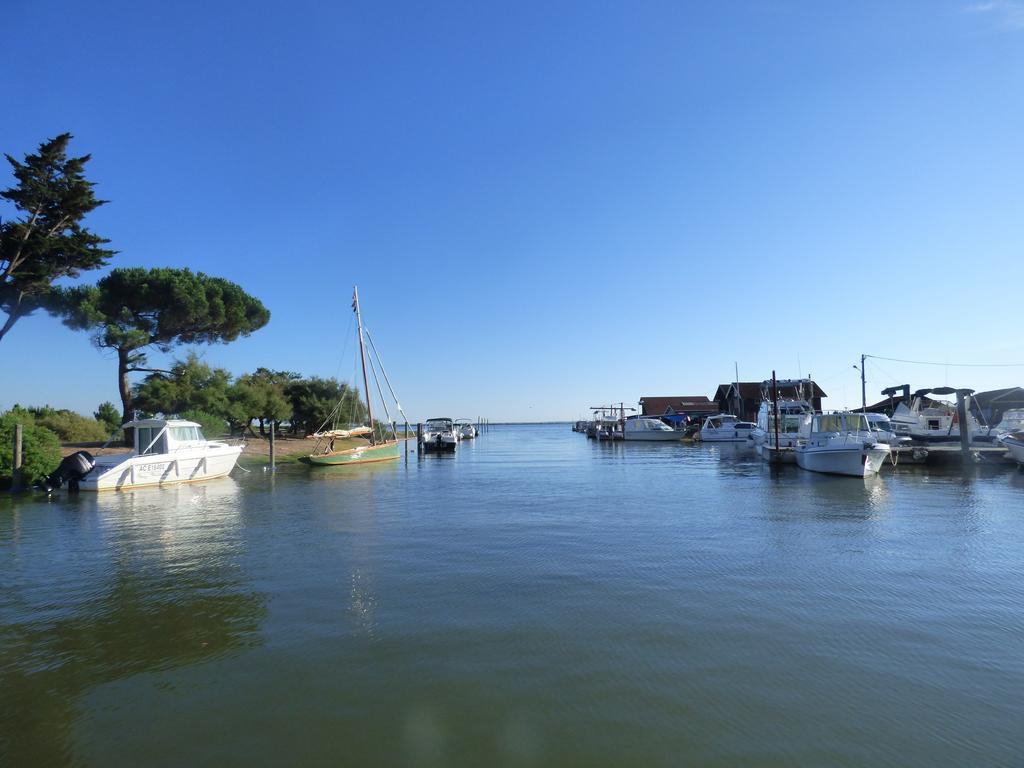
[(362, 357)]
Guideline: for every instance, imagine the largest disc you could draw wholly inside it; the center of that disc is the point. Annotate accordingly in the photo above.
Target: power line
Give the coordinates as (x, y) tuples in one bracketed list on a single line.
[(954, 365)]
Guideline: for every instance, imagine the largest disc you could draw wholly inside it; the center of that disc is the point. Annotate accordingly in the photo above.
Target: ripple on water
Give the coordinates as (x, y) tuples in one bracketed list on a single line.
[(536, 599)]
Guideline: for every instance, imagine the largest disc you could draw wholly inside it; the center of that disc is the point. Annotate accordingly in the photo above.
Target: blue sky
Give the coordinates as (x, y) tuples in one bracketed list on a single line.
[(548, 205)]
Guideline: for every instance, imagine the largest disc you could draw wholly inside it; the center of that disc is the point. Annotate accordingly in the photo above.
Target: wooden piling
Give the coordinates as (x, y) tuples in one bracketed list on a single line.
[(16, 473), (273, 448), (965, 432)]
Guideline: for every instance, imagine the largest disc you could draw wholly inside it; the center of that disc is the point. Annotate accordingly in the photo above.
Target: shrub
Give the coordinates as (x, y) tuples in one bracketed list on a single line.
[(213, 425), (40, 448), (72, 427)]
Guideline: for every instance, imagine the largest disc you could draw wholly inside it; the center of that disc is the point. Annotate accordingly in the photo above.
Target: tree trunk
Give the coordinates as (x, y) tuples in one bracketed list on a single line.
[(126, 394), (263, 429), (12, 318)]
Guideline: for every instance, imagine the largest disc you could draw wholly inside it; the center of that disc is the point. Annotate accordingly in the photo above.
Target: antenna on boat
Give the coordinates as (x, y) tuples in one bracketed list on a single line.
[(362, 356)]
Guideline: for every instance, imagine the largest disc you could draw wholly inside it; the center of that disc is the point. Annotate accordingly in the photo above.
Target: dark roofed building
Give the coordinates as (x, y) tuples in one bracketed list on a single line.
[(679, 405), (994, 403), (743, 399)]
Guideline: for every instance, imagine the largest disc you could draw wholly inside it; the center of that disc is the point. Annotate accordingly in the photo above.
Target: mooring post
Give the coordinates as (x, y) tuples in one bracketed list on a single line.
[(406, 442), (419, 440), (16, 474), (965, 432), (273, 449)]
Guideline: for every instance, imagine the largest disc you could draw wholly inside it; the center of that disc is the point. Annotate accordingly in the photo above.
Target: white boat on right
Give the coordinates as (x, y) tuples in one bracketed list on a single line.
[(927, 420), (840, 444), (1014, 442)]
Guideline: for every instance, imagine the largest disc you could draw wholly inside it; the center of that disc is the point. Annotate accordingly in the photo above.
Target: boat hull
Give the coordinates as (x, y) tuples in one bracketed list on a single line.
[(186, 466), (784, 454), (1015, 446), (654, 436), (732, 437), (851, 460), (368, 454), (440, 444)]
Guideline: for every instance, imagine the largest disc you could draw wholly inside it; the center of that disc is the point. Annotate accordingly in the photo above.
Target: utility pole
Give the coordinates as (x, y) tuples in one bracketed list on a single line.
[(863, 386)]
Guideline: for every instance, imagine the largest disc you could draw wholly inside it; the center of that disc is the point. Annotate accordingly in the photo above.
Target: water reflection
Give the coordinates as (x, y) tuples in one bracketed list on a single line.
[(132, 582)]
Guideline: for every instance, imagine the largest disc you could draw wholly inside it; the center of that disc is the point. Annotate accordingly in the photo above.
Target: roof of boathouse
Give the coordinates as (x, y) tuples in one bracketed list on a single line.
[(658, 406), (751, 390)]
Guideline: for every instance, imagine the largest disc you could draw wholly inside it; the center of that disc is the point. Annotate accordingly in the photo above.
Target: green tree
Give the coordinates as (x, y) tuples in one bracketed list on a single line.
[(108, 415), (263, 394), (46, 241), (190, 385), (130, 310), (314, 399), (39, 446), (212, 424)]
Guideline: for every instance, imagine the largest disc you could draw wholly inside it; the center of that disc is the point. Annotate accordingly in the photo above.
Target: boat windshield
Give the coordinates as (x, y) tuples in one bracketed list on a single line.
[(840, 422), (653, 425), (186, 434)]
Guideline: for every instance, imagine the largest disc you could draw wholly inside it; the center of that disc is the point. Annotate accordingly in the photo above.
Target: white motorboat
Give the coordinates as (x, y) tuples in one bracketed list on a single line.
[(439, 435), (1012, 421), (649, 429), (464, 429), (927, 420), (725, 428), (840, 444), (786, 414), (167, 452), (1014, 443)]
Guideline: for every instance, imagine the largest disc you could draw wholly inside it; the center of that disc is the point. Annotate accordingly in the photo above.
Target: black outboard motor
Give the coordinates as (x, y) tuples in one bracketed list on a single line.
[(72, 469)]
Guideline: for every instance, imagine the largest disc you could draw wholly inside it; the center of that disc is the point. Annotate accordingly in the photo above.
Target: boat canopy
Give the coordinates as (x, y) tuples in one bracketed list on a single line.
[(159, 423), (942, 391)]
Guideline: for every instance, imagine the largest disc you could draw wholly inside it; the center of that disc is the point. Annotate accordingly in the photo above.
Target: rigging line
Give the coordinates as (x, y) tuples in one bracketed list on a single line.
[(376, 381), (954, 365), (330, 416), (876, 366), (386, 379)]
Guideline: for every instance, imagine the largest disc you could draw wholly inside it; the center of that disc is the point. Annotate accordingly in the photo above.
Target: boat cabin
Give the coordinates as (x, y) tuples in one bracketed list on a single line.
[(155, 436), (839, 423)]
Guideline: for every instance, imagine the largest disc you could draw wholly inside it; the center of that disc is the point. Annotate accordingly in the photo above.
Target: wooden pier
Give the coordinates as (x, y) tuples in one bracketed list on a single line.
[(950, 454)]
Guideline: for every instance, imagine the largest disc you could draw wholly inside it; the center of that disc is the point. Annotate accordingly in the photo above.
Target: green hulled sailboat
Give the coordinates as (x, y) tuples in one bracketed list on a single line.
[(362, 444)]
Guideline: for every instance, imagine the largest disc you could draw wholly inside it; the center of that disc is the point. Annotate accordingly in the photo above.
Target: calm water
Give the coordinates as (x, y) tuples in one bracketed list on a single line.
[(538, 599)]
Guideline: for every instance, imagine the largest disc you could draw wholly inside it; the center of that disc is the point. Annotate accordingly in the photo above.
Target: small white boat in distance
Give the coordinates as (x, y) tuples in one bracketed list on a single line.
[(725, 428), (465, 429), (840, 444), (167, 452), (650, 429)]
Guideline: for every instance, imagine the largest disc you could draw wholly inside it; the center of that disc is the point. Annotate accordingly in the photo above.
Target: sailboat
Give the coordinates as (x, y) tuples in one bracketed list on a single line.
[(361, 444)]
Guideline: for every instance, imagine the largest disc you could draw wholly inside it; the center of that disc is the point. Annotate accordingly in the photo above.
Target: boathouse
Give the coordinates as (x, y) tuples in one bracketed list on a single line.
[(678, 408), (743, 399)]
